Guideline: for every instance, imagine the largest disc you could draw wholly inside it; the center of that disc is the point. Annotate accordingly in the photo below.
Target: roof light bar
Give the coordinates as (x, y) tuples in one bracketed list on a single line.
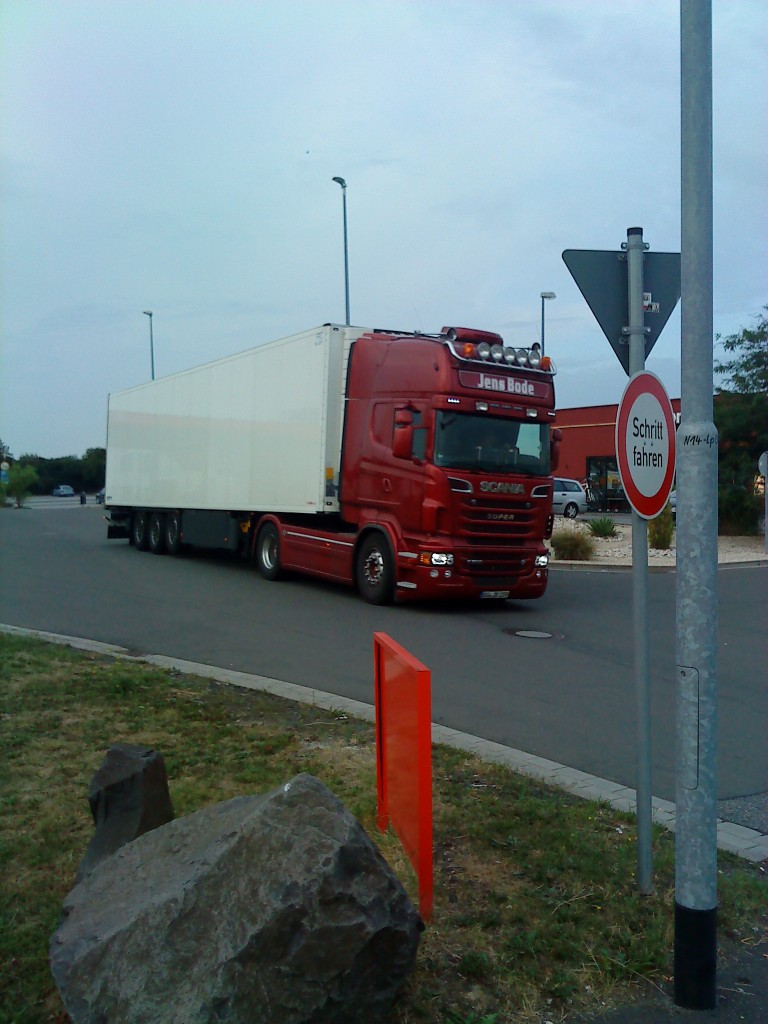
[(483, 346)]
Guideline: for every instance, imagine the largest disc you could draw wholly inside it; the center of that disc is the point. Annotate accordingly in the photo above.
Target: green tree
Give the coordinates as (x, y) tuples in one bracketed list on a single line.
[(5, 456), (94, 468), (742, 427), (21, 482), (746, 373), (66, 469), (741, 418)]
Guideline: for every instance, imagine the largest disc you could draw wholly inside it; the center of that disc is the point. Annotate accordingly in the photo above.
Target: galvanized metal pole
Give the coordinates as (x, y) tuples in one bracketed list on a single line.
[(635, 248), (343, 185), (696, 731), (346, 254), (148, 312), (543, 300)]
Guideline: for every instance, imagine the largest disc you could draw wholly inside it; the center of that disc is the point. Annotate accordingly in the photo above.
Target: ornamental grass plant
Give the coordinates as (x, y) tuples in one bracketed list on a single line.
[(661, 530), (572, 545), (602, 527)]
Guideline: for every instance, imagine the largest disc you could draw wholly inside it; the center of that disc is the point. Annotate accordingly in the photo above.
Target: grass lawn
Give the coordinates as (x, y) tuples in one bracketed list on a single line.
[(536, 911)]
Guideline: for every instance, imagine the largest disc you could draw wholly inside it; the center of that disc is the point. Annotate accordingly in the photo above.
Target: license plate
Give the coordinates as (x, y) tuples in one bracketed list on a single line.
[(495, 594)]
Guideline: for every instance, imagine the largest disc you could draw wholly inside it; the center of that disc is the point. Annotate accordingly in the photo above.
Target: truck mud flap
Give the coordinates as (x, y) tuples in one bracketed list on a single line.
[(117, 531)]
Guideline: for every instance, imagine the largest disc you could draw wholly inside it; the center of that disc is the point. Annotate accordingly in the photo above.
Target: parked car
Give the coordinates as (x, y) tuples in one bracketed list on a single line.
[(63, 491), (673, 504), (568, 497)]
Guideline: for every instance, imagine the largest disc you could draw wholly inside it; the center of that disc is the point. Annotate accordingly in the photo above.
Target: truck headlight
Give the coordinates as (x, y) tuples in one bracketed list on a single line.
[(542, 561), (435, 558)]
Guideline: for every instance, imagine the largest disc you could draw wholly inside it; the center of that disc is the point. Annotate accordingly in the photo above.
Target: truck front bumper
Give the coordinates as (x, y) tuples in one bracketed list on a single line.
[(525, 579)]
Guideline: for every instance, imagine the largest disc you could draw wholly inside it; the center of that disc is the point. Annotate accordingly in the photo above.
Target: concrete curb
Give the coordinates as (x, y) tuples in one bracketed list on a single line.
[(754, 563), (744, 842)]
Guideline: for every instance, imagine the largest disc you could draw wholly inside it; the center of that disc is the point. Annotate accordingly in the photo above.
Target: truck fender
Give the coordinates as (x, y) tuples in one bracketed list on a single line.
[(388, 533)]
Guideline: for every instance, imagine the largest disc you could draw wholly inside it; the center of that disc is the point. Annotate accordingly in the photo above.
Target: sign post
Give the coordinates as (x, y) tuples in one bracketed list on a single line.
[(645, 452), (635, 329), (620, 289)]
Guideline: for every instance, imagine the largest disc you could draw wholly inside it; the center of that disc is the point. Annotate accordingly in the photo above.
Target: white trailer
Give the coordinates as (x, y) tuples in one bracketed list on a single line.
[(255, 431)]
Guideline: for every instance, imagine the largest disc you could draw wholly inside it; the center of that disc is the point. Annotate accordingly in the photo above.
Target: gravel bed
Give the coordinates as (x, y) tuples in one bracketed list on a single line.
[(618, 550)]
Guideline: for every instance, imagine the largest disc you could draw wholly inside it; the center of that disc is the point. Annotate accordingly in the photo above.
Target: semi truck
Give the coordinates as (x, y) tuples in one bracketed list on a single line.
[(409, 465)]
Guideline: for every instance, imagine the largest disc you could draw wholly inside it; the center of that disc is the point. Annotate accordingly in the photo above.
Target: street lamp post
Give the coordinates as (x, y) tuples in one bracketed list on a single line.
[(544, 297), (343, 184), (148, 312)]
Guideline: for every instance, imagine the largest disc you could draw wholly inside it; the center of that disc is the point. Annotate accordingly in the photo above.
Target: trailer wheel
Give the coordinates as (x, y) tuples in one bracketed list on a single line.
[(374, 570), (268, 551), (139, 531), (172, 533), (156, 533)]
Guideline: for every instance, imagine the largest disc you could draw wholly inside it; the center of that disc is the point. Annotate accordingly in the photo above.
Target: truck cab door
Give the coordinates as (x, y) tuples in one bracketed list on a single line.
[(391, 470)]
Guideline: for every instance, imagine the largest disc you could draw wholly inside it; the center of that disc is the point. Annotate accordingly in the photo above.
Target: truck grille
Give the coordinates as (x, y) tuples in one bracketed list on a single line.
[(497, 536)]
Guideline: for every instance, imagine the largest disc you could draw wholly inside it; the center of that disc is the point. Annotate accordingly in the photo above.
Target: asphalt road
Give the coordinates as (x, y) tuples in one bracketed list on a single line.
[(569, 697)]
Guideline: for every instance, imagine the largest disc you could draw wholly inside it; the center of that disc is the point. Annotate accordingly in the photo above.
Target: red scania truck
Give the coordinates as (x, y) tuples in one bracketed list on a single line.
[(413, 466)]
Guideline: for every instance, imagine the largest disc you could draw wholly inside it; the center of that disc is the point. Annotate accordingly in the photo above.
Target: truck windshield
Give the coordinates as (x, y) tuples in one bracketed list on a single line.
[(472, 441)]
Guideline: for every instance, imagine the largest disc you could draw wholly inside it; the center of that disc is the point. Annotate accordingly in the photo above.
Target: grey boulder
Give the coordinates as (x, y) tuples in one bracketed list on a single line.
[(128, 796), (273, 909)]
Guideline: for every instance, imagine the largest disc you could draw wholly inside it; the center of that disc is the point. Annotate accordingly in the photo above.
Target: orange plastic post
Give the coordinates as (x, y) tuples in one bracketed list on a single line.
[(404, 757)]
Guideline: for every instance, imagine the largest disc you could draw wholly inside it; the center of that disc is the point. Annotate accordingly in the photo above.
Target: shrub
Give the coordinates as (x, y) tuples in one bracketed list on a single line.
[(661, 528), (738, 511), (572, 545), (602, 527), (21, 481)]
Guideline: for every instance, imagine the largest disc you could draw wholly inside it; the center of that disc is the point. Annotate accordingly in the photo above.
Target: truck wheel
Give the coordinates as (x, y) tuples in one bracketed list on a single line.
[(156, 533), (571, 510), (139, 531), (173, 533), (268, 551), (374, 570)]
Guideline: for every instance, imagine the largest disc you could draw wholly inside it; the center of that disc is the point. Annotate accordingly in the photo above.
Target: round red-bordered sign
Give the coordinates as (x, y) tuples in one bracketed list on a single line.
[(645, 444)]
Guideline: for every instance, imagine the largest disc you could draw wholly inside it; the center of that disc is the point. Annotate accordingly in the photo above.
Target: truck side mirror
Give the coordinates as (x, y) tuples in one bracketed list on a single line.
[(402, 440), (554, 448)]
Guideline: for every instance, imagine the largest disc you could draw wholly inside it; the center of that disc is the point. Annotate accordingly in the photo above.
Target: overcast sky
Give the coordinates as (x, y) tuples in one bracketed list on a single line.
[(177, 156)]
